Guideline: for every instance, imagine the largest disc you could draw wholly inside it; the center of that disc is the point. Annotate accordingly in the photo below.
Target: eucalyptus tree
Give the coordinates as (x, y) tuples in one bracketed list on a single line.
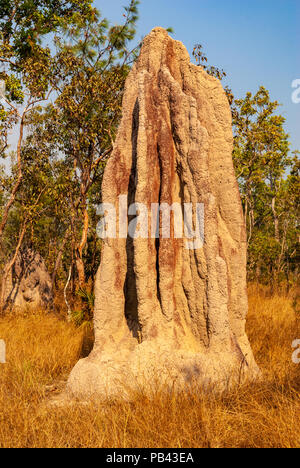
[(27, 77), (263, 163), (26, 67), (92, 63)]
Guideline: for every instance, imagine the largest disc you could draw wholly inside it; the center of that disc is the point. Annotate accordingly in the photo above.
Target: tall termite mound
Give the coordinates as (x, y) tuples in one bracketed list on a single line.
[(165, 312)]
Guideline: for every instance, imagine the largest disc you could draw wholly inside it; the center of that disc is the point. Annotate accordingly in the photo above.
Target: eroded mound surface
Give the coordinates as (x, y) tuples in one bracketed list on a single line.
[(171, 308)]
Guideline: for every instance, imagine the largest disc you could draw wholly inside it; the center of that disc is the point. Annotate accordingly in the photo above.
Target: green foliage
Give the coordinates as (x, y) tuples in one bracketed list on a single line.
[(84, 316), (201, 61), (268, 177), (266, 173), (23, 23), (66, 48), (69, 139)]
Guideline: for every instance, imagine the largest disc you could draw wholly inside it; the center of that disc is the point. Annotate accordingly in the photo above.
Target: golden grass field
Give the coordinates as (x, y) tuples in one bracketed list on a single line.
[(42, 349)]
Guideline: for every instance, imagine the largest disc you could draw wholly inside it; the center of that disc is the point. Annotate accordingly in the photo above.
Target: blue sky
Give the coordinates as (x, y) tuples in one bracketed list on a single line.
[(257, 42)]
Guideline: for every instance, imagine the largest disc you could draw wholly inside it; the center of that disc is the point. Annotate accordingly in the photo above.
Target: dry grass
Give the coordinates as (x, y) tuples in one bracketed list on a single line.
[(42, 350)]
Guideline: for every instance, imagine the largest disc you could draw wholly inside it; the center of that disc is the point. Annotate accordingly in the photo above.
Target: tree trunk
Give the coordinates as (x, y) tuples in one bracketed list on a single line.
[(10, 265), (276, 220), (80, 271), (79, 250), (59, 257), (17, 184)]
